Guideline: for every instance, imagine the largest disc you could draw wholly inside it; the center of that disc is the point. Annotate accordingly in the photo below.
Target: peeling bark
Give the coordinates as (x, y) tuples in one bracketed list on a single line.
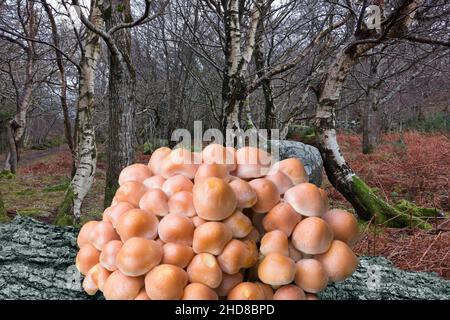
[(85, 157)]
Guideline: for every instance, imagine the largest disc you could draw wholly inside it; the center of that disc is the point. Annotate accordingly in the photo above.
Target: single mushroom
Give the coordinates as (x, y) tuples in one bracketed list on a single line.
[(216, 153), (247, 291), (211, 237), (252, 163), (339, 261), (292, 168), (343, 224), (135, 172), (121, 287), (289, 292), (155, 201), (166, 282), (204, 269), (237, 254), (266, 193), (245, 195), (137, 223), (142, 295), (138, 256), (274, 241), (117, 210), (306, 199), (156, 159), (229, 281), (87, 257), (276, 269), (198, 291), (281, 217), (268, 291), (310, 275), (95, 279), (83, 235), (109, 254), (212, 170), (176, 184), (177, 254), (176, 228), (102, 233), (281, 181), (312, 236), (182, 203), (214, 199), (239, 224), (132, 192), (179, 162), (154, 182)]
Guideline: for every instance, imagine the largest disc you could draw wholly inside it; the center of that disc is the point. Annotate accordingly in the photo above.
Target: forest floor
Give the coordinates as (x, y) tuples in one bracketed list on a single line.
[(412, 166)]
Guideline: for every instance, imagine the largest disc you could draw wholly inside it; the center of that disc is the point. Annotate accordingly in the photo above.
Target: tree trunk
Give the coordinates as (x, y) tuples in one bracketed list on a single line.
[(16, 126), (121, 97), (85, 147), (371, 125)]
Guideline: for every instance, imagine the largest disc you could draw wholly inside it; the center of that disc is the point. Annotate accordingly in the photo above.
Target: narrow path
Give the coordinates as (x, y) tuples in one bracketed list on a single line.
[(28, 157)]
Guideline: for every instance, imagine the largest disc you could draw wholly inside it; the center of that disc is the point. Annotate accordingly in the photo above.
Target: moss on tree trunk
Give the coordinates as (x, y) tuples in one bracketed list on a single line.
[(65, 211), (3, 216)]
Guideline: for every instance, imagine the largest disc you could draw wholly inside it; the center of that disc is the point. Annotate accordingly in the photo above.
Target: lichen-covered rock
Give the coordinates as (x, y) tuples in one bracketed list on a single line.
[(377, 279), (308, 155), (37, 261)]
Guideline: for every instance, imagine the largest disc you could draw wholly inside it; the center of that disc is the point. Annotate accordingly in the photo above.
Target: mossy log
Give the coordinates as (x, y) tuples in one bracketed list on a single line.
[(37, 261)]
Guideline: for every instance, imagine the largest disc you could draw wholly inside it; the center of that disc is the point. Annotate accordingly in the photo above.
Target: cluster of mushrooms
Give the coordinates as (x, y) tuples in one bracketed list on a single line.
[(222, 223)]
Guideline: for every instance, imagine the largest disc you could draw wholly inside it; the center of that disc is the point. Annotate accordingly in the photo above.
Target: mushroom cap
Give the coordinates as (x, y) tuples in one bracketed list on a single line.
[(306, 199), (137, 223), (155, 201), (237, 254), (198, 291), (239, 224), (177, 254), (281, 217), (205, 269), (211, 237), (276, 269), (281, 181), (339, 261), (83, 235), (182, 203), (138, 256), (266, 193), (252, 162), (176, 228), (311, 296), (154, 182), (254, 236), (292, 168), (131, 192), (176, 184), (229, 281), (343, 224), (117, 210), (245, 195), (289, 292), (214, 199), (102, 233), (274, 241), (166, 282), (142, 295), (207, 170), (135, 172), (156, 159), (310, 275), (109, 254), (312, 236), (121, 287), (246, 291), (294, 253), (268, 291), (179, 162), (86, 258), (197, 221), (216, 153), (95, 279)]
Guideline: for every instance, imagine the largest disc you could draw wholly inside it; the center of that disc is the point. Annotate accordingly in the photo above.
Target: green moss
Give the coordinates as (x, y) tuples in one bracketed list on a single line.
[(408, 207), (8, 175), (65, 210), (109, 195), (32, 212), (384, 213), (120, 8), (3, 217), (57, 187)]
